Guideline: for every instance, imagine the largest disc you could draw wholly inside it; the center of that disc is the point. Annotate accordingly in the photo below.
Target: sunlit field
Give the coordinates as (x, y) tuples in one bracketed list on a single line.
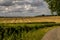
[(28, 19), (31, 19), (29, 28)]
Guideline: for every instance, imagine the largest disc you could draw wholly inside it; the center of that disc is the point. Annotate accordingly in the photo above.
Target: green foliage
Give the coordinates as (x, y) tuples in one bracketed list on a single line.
[(20, 31), (54, 5)]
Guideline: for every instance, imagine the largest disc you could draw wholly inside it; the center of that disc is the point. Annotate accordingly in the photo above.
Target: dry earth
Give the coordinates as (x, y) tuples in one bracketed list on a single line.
[(31, 19), (52, 35)]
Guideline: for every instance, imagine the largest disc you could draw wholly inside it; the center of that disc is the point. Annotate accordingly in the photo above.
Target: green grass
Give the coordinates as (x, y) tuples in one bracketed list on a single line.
[(37, 34), (25, 31), (33, 24)]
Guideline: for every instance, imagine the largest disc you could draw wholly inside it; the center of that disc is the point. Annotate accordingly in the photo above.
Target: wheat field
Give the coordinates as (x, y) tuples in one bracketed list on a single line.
[(31, 19)]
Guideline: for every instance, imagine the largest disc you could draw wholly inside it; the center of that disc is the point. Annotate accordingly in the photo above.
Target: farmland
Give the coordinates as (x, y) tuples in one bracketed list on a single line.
[(25, 31), (31, 19), (28, 28)]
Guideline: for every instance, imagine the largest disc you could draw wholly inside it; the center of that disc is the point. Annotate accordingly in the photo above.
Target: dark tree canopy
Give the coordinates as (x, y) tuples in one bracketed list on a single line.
[(54, 5)]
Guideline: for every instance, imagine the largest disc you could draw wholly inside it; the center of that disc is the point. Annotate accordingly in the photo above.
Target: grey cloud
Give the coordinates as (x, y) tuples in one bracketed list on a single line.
[(10, 3), (6, 3), (22, 3), (32, 3), (14, 11), (37, 4)]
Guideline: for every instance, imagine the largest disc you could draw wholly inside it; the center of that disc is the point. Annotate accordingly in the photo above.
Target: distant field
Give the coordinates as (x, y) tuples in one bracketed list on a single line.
[(31, 19), (27, 28)]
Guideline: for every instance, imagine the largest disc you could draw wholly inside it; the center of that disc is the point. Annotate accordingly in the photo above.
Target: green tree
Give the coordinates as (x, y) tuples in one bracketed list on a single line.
[(54, 5)]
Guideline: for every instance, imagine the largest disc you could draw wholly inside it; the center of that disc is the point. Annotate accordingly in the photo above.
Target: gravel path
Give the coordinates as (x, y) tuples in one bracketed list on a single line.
[(52, 35)]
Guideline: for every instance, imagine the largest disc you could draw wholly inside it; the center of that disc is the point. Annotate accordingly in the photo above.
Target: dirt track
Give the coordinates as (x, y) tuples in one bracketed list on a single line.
[(52, 35), (31, 19)]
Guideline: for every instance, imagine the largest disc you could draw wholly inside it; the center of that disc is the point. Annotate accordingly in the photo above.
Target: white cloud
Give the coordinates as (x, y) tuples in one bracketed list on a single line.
[(23, 7)]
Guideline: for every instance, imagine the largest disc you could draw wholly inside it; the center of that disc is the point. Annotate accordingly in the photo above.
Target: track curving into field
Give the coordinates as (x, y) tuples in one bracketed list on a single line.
[(52, 35)]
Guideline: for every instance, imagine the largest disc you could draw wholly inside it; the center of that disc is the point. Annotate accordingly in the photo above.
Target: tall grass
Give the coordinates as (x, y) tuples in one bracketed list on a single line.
[(18, 31)]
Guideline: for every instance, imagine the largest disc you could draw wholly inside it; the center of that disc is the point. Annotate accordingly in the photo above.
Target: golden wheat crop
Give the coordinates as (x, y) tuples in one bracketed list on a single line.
[(31, 19)]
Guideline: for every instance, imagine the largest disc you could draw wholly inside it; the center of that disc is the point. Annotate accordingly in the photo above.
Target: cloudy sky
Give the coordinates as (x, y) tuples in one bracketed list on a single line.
[(23, 8)]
